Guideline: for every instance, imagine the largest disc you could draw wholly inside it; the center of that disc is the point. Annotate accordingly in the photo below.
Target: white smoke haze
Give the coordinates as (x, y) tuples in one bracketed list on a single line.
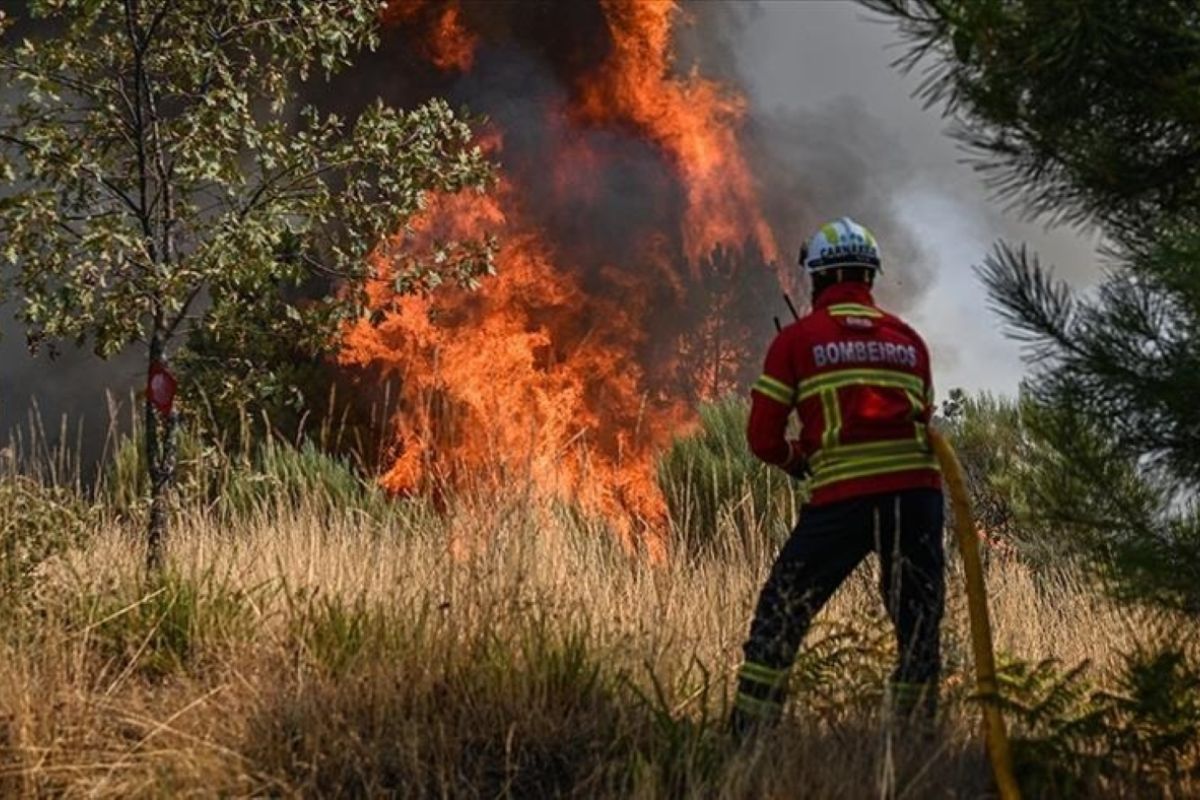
[(833, 60)]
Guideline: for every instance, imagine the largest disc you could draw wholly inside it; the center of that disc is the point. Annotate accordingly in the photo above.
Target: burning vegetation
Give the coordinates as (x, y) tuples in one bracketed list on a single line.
[(634, 268)]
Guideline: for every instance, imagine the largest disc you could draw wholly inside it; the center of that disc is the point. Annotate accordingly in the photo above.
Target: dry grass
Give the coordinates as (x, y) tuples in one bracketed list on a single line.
[(499, 650)]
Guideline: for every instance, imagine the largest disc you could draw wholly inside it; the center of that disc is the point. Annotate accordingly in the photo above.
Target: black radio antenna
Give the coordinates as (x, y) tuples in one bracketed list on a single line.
[(791, 306)]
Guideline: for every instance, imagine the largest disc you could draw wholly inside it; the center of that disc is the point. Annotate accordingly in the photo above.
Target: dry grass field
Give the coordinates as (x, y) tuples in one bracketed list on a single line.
[(498, 649)]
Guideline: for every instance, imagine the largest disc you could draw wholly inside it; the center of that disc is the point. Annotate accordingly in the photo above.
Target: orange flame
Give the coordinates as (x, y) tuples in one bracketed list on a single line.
[(538, 381), (526, 382), (694, 119), (449, 45)]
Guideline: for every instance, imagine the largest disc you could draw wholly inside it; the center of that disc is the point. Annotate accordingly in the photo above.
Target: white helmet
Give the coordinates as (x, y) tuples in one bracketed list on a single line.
[(841, 243)]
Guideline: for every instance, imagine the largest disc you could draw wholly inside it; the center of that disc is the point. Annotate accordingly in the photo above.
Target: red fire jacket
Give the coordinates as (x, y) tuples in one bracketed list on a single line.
[(859, 381)]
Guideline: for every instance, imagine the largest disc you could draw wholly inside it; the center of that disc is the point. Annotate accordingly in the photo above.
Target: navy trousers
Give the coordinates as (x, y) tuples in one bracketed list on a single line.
[(905, 529)]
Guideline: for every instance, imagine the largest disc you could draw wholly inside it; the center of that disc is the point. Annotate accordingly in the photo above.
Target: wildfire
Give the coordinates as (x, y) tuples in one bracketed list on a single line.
[(448, 44), (570, 369), (694, 119)]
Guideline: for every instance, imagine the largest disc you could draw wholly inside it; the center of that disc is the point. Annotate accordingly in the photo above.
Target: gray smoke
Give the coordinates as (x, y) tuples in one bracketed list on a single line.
[(831, 129), (828, 65), (814, 163), (834, 162), (63, 383)]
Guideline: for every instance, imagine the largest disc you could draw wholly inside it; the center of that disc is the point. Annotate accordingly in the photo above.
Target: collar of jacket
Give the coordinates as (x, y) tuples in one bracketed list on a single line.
[(848, 292)]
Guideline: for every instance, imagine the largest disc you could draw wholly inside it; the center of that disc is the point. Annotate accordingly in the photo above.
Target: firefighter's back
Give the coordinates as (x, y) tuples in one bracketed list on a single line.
[(864, 399)]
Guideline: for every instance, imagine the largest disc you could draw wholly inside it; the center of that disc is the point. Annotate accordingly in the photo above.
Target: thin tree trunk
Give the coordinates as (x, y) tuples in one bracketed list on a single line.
[(160, 465)]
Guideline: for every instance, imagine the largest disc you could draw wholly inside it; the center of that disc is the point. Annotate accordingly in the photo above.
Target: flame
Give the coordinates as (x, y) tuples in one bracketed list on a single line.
[(526, 382), (564, 375), (448, 43), (694, 119)]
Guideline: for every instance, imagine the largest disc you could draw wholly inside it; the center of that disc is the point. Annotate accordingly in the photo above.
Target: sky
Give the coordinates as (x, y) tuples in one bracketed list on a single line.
[(823, 55)]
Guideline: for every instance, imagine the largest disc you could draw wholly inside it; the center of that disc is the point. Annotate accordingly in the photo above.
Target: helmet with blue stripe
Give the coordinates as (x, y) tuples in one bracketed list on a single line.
[(840, 243)]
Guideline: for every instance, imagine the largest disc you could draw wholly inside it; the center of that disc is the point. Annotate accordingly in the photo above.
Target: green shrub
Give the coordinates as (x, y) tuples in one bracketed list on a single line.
[(37, 522), (987, 435), (165, 626), (1138, 737), (716, 488), (1000, 457), (124, 487), (281, 475), (273, 476)]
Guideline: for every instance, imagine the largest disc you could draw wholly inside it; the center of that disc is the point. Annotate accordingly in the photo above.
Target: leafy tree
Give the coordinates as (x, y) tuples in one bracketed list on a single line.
[(167, 184), (1089, 113), (724, 298)]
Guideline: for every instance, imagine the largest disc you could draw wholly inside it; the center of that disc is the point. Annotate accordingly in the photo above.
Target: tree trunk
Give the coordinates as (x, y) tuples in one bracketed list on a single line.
[(160, 465)]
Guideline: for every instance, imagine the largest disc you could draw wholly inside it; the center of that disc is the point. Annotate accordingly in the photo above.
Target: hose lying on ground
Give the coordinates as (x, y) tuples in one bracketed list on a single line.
[(995, 735)]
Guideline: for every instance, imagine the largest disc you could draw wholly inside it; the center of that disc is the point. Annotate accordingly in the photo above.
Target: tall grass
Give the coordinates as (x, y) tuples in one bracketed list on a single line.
[(302, 643), (262, 477), (717, 492), (299, 654)]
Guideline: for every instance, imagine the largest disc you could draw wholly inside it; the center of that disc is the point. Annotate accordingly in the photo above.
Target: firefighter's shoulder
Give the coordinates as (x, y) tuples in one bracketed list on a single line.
[(814, 319), (899, 324), (798, 332)]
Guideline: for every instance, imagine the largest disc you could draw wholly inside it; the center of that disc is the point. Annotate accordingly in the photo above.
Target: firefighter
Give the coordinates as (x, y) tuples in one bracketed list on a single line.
[(859, 382)]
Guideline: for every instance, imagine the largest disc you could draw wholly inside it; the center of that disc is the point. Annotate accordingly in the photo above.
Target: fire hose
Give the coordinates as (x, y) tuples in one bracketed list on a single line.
[(987, 687)]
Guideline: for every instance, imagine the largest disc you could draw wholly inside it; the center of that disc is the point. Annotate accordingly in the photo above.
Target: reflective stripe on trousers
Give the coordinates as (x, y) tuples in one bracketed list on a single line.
[(905, 529)]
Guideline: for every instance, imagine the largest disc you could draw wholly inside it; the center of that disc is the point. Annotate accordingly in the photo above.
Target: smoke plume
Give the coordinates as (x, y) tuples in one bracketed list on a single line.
[(650, 217), (650, 220)]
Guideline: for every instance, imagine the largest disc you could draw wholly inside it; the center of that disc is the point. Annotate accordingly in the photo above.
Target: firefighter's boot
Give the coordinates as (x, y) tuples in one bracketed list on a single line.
[(759, 701)]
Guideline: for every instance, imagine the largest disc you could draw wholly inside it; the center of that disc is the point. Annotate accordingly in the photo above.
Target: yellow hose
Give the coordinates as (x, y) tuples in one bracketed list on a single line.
[(998, 748)]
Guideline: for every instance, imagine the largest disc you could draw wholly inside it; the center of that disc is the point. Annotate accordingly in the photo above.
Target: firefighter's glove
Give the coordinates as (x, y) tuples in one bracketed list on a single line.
[(796, 465)]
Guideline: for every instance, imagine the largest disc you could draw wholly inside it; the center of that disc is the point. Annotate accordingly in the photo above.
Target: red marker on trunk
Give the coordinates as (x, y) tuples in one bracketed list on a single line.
[(160, 388)]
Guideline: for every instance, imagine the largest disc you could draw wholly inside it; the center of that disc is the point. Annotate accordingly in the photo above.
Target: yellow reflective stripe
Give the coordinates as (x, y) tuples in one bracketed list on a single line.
[(775, 389), (757, 673), (888, 378), (759, 708), (918, 405), (918, 408), (922, 436), (853, 310), (868, 467), (871, 462), (863, 467), (858, 376), (874, 472), (847, 452), (832, 414)]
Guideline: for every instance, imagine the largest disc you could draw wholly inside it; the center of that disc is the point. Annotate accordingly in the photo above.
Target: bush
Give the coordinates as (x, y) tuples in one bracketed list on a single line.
[(281, 475), (124, 487), (716, 488), (1138, 738), (159, 628), (37, 522), (270, 477), (986, 432), (1000, 456)]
